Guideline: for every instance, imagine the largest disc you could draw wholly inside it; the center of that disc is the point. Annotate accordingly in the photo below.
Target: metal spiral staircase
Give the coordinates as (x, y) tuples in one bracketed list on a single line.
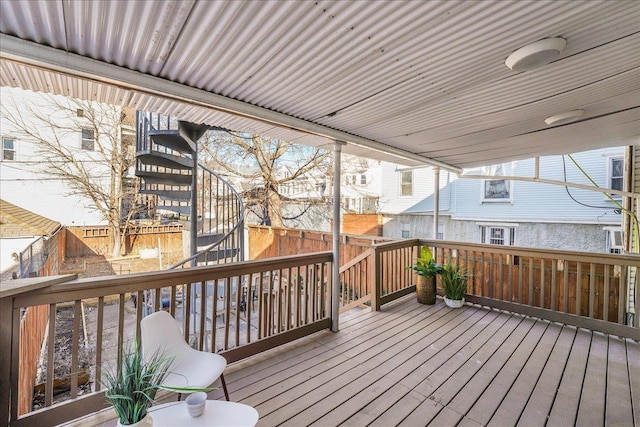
[(167, 162)]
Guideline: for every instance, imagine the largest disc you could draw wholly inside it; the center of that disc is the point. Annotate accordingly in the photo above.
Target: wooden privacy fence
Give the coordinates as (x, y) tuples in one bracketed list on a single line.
[(33, 323), (237, 310), (95, 240), (267, 242)]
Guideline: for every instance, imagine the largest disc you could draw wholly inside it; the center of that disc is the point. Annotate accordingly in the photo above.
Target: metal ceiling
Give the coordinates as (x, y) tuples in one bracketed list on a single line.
[(421, 79)]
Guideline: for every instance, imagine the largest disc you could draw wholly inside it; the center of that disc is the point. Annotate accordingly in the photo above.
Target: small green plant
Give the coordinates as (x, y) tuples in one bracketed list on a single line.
[(425, 264), (454, 281), (132, 388)]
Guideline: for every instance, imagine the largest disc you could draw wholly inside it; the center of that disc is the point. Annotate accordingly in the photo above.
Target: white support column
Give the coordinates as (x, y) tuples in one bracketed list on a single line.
[(436, 201), (335, 276)]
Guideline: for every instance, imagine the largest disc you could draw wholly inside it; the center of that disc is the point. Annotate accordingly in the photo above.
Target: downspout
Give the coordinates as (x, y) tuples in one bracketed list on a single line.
[(335, 276)]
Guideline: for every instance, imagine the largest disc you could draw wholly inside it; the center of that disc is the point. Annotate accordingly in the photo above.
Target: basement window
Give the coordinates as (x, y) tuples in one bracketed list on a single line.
[(497, 235), (614, 241), (405, 230)]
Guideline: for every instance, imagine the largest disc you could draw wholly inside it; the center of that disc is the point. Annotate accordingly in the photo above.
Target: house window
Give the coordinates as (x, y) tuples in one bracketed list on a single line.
[(615, 173), (440, 231), (406, 183), (88, 140), (8, 149), (363, 179), (404, 230), (497, 235), (496, 190), (614, 243)]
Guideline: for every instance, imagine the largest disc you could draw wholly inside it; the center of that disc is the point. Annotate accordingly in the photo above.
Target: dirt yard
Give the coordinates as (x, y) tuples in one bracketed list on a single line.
[(85, 267)]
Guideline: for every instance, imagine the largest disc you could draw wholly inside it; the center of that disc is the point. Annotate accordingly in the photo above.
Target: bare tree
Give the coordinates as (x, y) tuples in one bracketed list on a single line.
[(268, 165), (98, 169)]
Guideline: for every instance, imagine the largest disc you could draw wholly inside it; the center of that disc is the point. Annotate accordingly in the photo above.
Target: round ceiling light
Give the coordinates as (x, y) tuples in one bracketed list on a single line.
[(562, 118), (535, 54)]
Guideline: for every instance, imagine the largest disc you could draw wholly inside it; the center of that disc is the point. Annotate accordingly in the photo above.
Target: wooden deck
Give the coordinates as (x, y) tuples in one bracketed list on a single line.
[(415, 365)]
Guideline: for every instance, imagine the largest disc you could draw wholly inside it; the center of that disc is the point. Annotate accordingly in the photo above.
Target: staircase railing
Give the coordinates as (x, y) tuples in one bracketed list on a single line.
[(168, 173), (227, 223)]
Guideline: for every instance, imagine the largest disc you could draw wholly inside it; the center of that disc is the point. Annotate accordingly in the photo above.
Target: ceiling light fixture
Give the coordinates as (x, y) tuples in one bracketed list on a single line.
[(562, 118), (536, 54)]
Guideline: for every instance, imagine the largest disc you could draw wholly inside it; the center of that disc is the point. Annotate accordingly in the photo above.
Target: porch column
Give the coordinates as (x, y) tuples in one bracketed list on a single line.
[(436, 201), (193, 217), (335, 276)]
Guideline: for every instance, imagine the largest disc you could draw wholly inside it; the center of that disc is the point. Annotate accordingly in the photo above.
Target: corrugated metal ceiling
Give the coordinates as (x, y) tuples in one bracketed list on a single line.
[(427, 77)]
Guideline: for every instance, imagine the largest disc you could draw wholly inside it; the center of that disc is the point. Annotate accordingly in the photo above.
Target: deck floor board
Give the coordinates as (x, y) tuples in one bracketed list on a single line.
[(415, 365)]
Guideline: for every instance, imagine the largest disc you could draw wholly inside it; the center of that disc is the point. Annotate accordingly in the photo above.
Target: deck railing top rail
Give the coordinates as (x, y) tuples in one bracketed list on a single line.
[(632, 260)]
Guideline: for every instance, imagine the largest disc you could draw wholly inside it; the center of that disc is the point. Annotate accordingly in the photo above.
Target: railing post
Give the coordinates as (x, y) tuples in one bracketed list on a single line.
[(6, 327), (376, 282)]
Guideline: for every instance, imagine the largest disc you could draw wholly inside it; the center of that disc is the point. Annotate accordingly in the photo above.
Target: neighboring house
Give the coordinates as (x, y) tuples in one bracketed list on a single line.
[(22, 237), (312, 193), (361, 182), (516, 213), (23, 178)]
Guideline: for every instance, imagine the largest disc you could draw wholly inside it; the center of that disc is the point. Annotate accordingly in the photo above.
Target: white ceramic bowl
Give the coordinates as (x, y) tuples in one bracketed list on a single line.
[(196, 403)]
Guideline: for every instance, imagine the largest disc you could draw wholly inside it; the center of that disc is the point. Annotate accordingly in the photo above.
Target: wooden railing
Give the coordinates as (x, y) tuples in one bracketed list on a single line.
[(237, 310), (244, 308), (355, 281), (579, 288)]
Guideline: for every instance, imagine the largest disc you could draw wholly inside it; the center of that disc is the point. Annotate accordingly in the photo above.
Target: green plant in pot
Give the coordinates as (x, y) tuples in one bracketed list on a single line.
[(427, 269), (132, 388), (454, 284)]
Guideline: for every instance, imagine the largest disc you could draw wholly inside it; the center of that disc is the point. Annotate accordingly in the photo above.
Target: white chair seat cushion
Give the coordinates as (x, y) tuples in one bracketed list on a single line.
[(195, 369)]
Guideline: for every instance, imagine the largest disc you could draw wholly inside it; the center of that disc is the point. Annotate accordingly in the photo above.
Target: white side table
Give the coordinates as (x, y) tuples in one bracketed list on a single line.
[(217, 413)]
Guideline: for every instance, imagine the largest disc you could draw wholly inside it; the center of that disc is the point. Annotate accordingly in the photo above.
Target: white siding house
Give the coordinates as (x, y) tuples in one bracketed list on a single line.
[(519, 213), (23, 179)]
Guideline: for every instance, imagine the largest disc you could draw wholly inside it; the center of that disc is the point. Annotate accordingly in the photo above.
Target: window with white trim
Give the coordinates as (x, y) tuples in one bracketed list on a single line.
[(405, 227), (440, 231), (9, 149), (616, 176), (497, 235), (88, 140), (496, 190), (406, 183), (363, 179), (614, 243)]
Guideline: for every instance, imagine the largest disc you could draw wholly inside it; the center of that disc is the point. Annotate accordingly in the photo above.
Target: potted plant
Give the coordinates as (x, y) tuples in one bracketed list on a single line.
[(427, 269), (454, 283), (132, 388)]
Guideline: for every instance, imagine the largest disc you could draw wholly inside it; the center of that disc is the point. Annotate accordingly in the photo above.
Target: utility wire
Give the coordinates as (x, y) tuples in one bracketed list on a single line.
[(564, 168)]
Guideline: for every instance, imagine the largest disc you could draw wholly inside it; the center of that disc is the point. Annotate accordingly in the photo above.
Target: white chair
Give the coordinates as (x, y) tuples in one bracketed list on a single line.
[(190, 367)]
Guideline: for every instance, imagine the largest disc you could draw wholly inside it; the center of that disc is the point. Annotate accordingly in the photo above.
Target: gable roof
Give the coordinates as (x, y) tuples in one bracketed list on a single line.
[(18, 222), (422, 80)]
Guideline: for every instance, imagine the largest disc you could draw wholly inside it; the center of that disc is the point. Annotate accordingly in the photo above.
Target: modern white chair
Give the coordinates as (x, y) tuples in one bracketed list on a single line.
[(190, 367)]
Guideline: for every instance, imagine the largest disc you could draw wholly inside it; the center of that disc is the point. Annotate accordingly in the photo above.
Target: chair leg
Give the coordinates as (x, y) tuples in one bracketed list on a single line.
[(224, 387)]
